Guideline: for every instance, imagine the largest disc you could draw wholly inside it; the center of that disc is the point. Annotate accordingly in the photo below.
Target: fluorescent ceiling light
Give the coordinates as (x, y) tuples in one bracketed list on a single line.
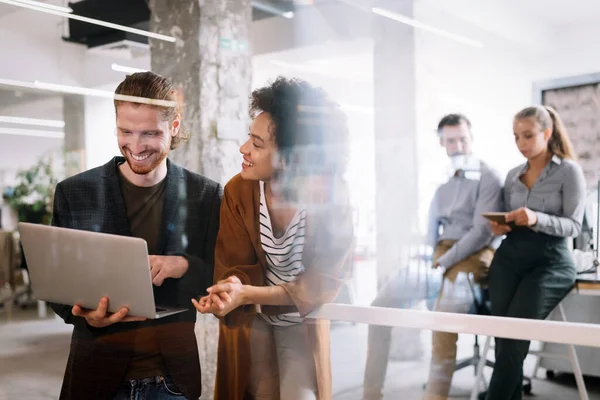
[(32, 132), (101, 93), (32, 121), (268, 8), (45, 5), (126, 69), (92, 21), (414, 23), (53, 87), (12, 82)]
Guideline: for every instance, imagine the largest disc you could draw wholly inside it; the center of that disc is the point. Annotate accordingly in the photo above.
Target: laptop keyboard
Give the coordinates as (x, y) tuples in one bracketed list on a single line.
[(160, 309)]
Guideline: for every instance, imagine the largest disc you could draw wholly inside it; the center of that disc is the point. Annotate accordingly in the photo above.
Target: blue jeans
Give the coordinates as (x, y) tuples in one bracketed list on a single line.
[(156, 388)]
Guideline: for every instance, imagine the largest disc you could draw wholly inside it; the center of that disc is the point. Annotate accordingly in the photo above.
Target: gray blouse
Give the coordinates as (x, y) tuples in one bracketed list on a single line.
[(557, 197)]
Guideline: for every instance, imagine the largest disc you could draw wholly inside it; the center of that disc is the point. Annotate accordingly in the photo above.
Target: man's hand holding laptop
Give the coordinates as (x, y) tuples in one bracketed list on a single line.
[(161, 268), (99, 318)]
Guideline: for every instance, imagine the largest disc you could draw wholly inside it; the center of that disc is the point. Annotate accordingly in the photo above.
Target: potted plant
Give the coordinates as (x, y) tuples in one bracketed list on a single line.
[(31, 198)]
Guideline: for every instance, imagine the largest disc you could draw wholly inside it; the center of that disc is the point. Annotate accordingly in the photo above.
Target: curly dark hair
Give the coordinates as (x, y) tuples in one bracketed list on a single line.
[(309, 129)]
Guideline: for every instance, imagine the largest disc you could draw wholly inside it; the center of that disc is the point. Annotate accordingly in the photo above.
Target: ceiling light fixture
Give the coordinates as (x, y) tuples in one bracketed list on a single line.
[(21, 84), (46, 5), (32, 121), (126, 69), (420, 25), (102, 93), (53, 87), (32, 132), (268, 8), (110, 25)]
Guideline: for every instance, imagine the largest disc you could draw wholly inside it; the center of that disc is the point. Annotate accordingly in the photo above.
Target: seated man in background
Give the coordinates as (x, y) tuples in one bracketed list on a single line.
[(142, 194), (463, 246)]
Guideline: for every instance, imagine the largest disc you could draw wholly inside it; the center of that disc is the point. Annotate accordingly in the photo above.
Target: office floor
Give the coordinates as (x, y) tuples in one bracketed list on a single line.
[(33, 355), (405, 380)]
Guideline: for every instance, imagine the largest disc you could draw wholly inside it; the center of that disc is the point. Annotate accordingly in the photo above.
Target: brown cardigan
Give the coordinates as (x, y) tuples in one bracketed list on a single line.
[(327, 257)]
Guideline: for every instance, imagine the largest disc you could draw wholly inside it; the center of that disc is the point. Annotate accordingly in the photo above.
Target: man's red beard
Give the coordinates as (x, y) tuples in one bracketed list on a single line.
[(146, 168)]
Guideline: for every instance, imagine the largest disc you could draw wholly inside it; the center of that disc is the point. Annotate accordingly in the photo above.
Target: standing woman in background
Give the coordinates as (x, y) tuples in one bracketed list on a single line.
[(533, 270)]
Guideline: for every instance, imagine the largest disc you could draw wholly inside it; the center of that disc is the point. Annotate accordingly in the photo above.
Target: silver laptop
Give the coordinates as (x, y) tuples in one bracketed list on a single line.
[(69, 266)]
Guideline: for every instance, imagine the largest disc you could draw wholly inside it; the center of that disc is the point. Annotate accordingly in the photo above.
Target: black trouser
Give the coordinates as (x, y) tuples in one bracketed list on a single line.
[(530, 274)]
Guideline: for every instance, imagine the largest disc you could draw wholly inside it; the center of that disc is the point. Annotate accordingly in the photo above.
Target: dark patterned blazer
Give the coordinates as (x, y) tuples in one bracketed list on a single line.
[(92, 201)]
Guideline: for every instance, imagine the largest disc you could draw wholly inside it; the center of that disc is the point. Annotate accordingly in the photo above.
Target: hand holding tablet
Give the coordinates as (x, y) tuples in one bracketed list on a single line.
[(497, 217), (498, 222)]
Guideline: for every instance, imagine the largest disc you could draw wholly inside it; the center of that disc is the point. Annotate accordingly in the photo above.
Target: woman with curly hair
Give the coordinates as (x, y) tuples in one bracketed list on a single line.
[(284, 247)]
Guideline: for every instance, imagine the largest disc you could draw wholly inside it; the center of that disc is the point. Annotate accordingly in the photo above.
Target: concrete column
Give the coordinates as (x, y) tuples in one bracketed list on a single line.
[(211, 66), (75, 129), (395, 135)]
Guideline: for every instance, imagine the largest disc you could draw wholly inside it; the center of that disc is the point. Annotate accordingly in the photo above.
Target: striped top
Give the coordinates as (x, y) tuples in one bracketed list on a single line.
[(283, 254)]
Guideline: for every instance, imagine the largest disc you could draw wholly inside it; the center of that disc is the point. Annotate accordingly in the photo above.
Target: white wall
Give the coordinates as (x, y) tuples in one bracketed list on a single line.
[(47, 107), (575, 51), (100, 129), (32, 49), (327, 21), (489, 85), (20, 151)]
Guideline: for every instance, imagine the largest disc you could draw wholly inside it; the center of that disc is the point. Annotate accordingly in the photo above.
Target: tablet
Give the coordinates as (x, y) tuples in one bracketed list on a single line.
[(499, 217)]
